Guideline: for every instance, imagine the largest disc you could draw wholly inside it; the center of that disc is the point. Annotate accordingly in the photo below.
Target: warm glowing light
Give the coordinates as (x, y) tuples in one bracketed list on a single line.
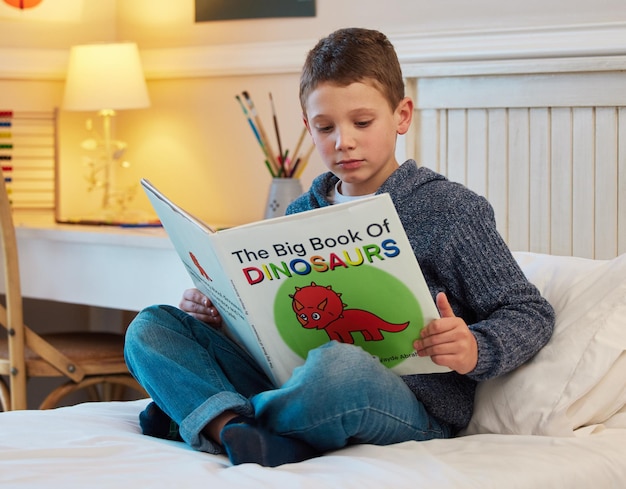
[(22, 4), (106, 78)]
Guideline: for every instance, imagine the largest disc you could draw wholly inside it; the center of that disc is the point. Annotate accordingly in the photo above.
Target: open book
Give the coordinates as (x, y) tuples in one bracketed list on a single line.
[(286, 285)]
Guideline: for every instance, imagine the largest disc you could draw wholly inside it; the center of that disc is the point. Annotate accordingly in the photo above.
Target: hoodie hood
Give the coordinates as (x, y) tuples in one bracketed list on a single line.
[(408, 175)]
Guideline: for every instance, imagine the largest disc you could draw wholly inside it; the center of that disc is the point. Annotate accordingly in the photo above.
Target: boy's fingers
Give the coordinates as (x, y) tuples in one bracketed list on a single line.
[(444, 306)]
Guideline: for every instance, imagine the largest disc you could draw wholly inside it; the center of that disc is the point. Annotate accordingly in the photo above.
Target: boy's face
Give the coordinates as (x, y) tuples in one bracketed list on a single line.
[(354, 131)]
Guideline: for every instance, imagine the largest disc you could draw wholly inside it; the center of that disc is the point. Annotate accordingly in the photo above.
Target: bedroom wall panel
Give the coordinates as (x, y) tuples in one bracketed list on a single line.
[(539, 193), (560, 176), (497, 192), (554, 172), (621, 181)]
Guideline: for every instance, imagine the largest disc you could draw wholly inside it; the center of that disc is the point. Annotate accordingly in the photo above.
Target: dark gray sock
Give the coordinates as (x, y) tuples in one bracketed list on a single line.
[(246, 442), (154, 422)]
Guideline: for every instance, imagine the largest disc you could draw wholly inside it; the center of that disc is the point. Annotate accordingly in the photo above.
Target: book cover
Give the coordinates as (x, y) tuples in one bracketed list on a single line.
[(286, 285)]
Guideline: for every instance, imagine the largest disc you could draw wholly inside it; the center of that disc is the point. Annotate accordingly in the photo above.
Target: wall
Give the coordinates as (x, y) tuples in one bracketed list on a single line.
[(223, 179), (57, 24), (157, 23), (193, 141)]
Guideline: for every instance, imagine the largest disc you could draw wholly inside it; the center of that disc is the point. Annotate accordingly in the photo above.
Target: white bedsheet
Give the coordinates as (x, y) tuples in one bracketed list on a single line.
[(97, 445)]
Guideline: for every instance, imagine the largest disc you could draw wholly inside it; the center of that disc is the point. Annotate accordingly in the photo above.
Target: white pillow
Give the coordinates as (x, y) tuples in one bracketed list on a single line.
[(579, 378)]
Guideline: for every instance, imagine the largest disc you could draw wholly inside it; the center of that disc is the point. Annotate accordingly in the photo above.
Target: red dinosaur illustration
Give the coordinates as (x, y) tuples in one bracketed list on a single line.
[(320, 307), (199, 267)]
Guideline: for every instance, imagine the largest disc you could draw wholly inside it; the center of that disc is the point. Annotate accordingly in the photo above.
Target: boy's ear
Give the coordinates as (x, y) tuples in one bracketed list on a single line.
[(404, 114), (306, 123)]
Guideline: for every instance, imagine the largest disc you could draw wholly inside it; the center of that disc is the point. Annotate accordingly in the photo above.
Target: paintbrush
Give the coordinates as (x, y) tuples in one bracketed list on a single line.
[(259, 124), (281, 156)]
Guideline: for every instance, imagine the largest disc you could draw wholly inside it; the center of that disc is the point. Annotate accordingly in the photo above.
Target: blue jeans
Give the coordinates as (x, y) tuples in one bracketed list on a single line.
[(340, 396)]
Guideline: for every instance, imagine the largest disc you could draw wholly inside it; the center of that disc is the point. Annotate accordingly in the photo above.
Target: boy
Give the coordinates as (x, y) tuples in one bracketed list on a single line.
[(492, 319)]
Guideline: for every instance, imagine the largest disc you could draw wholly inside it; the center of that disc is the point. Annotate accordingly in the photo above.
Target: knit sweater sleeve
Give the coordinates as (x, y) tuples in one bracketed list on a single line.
[(506, 313)]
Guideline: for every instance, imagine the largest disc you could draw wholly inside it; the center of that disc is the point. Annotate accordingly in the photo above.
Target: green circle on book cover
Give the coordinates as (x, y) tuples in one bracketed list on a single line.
[(362, 305)]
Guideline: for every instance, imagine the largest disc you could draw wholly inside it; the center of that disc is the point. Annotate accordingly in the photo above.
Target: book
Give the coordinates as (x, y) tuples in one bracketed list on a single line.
[(286, 285)]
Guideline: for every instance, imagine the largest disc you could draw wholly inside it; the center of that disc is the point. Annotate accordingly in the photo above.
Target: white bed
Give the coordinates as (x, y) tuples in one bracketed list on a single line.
[(99, 445), (557, 422)]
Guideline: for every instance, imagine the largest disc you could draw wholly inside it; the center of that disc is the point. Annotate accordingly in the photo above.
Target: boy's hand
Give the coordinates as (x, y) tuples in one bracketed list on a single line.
[(448, 340), (200, 306)]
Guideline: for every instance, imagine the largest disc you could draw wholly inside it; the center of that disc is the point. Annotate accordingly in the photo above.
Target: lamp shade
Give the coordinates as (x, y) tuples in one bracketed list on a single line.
[(105, 76)]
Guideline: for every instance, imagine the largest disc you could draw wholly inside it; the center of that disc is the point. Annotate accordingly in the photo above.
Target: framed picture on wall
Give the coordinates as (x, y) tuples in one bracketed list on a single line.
[(211, 10)]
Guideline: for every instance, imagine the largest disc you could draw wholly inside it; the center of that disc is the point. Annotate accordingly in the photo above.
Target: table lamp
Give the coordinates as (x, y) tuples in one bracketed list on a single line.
[(105, 78)]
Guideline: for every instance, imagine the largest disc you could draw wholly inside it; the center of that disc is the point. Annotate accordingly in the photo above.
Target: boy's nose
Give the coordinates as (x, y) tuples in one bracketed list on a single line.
[(345, 140)]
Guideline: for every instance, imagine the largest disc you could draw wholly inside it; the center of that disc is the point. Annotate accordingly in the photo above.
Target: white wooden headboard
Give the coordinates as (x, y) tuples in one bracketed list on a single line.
[(543, 139)]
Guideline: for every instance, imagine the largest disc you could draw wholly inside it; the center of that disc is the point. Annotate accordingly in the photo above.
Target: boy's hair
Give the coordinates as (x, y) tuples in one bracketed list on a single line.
[(353, 55)]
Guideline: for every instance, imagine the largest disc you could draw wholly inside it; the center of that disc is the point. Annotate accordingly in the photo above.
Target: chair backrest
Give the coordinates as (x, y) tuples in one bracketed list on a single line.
[(21, 336), (13, 319)]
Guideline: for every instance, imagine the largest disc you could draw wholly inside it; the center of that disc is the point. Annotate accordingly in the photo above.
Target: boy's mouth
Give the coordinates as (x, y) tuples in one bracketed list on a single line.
[(350, 163)]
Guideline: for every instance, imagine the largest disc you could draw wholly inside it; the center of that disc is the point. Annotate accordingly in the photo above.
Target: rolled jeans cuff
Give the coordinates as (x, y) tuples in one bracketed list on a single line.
[(192, 426)]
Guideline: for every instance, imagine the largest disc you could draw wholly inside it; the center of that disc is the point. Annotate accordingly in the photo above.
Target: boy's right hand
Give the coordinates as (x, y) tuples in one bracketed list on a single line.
[(200, 306), (448, 341)]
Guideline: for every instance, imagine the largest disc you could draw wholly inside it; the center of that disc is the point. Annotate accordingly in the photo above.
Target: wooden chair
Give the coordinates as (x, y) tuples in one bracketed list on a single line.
[(86, 359)]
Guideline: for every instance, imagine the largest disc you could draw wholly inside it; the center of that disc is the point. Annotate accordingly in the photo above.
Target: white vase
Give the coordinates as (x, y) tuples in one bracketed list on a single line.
[(282, 192)]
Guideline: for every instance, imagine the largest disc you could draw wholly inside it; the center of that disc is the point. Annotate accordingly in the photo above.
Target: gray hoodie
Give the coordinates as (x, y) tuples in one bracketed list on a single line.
[(453, 234)]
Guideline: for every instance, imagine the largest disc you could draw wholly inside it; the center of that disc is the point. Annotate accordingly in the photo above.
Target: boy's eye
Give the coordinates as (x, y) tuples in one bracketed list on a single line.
[(324, 128), (363, 123)]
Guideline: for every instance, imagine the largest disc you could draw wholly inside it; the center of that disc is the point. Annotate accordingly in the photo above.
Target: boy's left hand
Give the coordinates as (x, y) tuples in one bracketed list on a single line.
[(448, 340)]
